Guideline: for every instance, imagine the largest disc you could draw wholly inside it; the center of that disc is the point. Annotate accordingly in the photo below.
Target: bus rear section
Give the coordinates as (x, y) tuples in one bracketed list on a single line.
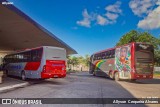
[(135, 61), (54, 63), (143, 61)]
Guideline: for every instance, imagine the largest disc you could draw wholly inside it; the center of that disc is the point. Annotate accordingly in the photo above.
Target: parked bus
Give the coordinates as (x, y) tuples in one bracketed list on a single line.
[(131, 61), (41, 62)]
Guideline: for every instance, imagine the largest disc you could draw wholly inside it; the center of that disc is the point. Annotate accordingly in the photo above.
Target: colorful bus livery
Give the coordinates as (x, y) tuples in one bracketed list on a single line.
[(131, 61), (41, 62)]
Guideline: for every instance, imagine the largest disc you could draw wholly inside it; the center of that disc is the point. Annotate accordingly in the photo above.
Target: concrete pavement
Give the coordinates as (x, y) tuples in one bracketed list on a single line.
[(83, 85), (11, 83)]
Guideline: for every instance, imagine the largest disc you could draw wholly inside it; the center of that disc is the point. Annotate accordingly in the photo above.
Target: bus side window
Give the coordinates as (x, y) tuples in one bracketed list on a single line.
[(27, 56), (95, 57), (100, 56), (10, 58), (15, 58), (36, 54), (18, 57), (103, 55), (21, 57), (109, 54), (113, 53)]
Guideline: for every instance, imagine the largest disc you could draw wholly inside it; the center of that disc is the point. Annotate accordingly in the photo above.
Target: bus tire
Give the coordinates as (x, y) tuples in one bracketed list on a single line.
[(116, 76), (23, 76), (110, 75)]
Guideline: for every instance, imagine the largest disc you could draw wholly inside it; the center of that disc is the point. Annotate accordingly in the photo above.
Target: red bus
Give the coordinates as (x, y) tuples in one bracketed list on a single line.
[(41, 62), (131, 61)]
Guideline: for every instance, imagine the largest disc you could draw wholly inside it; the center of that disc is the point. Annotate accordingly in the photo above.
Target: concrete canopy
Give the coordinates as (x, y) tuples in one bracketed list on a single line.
[(18, 31)]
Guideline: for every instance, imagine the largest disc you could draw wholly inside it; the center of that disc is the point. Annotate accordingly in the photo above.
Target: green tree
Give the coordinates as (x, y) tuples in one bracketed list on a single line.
[(81, 59), (69, 62), (87, 59), (131, 36), (74, 61)]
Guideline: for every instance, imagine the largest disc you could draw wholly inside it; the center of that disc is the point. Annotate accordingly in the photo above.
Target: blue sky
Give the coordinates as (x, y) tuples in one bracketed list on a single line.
[(89, 26)]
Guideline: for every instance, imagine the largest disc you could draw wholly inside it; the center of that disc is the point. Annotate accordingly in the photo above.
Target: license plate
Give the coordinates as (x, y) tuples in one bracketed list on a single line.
[(144, 76), (55, 75)]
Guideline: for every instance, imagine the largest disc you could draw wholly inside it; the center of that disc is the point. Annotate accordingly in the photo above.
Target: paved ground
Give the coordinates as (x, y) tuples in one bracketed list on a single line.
[(10, 81), (84, 85), (143, 88)]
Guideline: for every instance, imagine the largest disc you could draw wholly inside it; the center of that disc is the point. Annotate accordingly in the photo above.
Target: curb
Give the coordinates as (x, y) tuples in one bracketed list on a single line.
[(8, 88)]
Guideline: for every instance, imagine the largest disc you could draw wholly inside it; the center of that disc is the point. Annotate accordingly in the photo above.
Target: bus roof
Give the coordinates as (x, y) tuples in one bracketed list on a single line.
[(119, 46), (29, 49)]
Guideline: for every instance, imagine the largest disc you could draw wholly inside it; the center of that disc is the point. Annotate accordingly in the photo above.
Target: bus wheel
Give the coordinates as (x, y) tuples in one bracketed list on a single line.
[(116, 76), (23, 76), (110, 75)]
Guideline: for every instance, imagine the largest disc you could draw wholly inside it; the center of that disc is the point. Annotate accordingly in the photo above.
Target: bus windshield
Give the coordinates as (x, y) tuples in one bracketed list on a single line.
[(144, 58)]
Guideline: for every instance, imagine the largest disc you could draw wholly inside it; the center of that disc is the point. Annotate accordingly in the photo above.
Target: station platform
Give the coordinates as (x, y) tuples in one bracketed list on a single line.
[(10, 83)]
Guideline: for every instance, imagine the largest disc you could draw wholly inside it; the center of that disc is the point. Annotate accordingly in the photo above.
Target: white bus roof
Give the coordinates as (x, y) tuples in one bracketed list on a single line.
[(26, 50)]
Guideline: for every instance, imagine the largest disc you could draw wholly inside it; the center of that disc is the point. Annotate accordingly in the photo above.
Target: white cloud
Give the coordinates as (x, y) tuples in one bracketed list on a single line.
[(115, 8), (152, 21), (141, 7), (112, 13), (158, 2), (86, 19), (111, 16), (101, 20)]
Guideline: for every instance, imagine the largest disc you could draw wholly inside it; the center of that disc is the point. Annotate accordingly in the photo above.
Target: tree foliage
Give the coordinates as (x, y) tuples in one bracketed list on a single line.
[(73, 61), (135, 36)]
